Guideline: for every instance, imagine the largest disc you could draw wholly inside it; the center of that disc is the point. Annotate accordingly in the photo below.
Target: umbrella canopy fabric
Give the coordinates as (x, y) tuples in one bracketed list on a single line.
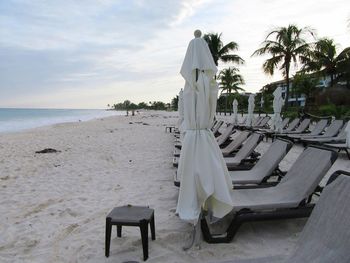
[(180, 107), (205, 181), (277, 107), (251, 106), (347, 131), (235, 111)]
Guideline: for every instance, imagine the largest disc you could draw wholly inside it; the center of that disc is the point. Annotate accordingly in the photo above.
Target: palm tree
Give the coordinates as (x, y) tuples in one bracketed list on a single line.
[(286, 45), (324, 59), (222, 52), (230, 81), (344, 66), (304, 84)]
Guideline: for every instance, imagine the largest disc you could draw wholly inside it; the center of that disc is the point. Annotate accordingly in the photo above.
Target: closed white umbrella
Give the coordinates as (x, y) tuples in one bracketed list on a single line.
[(235, 111), (205, 181), (277, 107), (251, 106), (180, 106)]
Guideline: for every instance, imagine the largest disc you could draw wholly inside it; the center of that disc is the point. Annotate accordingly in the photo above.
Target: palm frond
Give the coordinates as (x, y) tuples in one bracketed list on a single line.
[(271, 63), (232, 58), (231, 46)]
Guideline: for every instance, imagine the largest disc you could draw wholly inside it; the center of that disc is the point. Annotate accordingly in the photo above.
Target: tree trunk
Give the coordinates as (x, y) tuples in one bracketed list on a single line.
[(287, 88), (332, 80), (226, 103)]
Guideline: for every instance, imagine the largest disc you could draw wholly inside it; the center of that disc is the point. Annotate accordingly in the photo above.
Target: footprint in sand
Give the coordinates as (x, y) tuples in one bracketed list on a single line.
[(39, 208), (55, 244), (29, 245), (69, 212)]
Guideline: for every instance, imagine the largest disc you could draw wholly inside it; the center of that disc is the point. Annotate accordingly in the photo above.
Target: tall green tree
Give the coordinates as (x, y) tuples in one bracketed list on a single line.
[(175, 102), (325, 60), (304, 84), (230, 81), (344, 66), (221, 52), (286, 45), (267, 94)]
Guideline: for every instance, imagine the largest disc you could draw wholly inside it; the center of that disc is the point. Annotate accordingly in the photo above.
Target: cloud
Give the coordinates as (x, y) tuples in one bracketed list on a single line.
[(110, 50)]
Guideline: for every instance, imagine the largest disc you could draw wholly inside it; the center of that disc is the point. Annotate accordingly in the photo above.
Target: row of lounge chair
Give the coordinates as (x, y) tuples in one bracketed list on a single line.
[(326, 235), (262, 190), (332, 135)]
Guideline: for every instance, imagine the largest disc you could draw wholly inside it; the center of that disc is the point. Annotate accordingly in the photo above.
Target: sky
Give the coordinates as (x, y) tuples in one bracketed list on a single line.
[(90, 53)]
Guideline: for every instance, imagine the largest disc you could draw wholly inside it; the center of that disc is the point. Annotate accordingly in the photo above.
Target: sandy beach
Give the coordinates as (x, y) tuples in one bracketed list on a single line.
[(53, 206)]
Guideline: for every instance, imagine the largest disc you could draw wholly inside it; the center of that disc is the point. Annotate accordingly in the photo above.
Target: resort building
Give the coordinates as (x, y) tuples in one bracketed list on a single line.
[(296, 99)]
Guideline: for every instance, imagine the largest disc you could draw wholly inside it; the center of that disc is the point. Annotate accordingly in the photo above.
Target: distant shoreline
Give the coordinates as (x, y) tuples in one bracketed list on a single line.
[(15, 119)]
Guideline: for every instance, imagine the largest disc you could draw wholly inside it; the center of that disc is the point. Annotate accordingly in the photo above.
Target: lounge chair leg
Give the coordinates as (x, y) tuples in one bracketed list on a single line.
[(347, 152)]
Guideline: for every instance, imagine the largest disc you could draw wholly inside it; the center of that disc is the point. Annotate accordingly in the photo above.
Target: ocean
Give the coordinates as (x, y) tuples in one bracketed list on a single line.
[(13, 119)]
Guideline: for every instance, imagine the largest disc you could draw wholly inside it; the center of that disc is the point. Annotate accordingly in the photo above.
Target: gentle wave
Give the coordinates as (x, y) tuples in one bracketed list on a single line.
[(12, 120)]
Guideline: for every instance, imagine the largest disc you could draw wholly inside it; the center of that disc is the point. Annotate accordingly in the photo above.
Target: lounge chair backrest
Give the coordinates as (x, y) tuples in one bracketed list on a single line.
[(306, 173), (285, 123), (303, 125), (272, 157), (238, 140), (243, 121), (214, 123), (257, 120), (342, 132), (319, 127), (249, 146), (333, 128), (326, 235), (223, 137), (294, 123), (264, 121), (217, 127)]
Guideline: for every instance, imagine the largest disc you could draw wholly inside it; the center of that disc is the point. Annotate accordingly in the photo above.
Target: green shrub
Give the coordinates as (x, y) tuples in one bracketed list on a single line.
[(333, 110)]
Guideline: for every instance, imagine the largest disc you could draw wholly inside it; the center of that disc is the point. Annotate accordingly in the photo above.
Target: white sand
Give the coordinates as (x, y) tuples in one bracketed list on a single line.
[(53, 206)]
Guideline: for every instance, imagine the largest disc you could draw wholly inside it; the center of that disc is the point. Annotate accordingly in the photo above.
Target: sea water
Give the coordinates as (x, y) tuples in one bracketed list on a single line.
[(12, 119)]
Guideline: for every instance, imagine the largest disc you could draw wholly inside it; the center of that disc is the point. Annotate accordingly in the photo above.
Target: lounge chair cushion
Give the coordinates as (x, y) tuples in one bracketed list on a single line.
[(301, 128), (226, 133), (265, 166), (237, 142), (245, 151), (297, 185), (325, 237), (319, 127)]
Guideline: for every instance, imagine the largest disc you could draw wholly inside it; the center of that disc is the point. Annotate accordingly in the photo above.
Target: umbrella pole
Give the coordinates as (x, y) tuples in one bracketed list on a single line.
[(196, 235)]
